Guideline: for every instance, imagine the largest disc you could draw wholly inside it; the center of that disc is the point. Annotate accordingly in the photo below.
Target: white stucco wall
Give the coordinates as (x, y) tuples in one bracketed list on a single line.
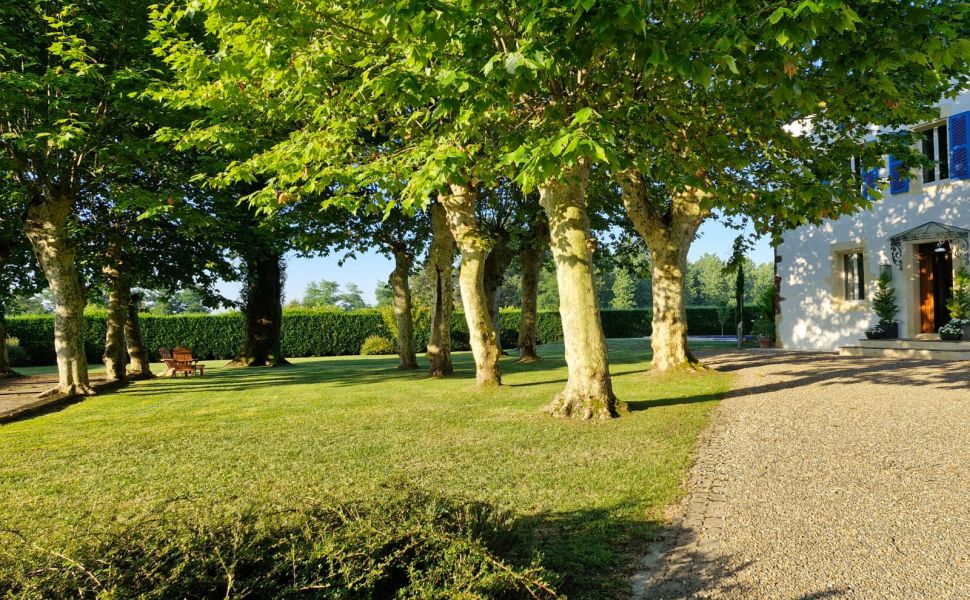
[(813, 316)]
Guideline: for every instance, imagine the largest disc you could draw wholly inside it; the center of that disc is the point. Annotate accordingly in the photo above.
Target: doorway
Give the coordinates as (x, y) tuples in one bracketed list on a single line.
[(935, 283)]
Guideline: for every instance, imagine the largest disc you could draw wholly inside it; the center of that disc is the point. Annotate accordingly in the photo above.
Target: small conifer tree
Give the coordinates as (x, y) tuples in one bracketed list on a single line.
[(884, 301)]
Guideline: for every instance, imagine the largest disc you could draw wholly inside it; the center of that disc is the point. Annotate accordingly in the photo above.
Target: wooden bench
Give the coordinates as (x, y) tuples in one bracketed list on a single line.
[(180, 360)]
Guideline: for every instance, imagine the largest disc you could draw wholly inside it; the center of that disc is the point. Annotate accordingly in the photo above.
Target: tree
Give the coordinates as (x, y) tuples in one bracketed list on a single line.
[(624, 290), (441, 260), (352, 298), (760, 116), (68, 103), (321, 294), (532, 254), (706, 276), (17, 269), (384, 294), (886, 308)]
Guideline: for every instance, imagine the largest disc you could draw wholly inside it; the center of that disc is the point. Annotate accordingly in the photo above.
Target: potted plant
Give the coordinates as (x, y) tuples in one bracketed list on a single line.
[(885, 306), (953, 331), (764, 328), (959, 302), (764, 324)]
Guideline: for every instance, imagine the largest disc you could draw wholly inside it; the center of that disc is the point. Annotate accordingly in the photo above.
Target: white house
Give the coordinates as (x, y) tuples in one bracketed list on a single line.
[(918, 231)]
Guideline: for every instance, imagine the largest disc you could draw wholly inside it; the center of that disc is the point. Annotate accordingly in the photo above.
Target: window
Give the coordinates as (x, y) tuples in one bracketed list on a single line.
[(935, 148), (867, 179), (853, 277)]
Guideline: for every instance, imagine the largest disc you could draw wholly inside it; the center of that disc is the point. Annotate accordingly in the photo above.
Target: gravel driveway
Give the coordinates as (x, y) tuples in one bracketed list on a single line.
[(825, 477)]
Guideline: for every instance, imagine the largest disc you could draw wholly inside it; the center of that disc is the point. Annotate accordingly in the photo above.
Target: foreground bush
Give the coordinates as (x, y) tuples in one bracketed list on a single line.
[(407, 545)]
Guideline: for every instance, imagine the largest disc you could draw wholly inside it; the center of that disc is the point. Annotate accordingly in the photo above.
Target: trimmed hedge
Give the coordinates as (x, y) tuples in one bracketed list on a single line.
[(322, 332)]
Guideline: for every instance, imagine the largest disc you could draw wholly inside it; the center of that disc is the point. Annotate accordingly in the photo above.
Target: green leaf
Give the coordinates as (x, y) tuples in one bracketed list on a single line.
[(582, 116), (778, 15)]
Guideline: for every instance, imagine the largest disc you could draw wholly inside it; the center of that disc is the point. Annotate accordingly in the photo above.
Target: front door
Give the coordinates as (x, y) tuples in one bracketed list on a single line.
[(935, 283)]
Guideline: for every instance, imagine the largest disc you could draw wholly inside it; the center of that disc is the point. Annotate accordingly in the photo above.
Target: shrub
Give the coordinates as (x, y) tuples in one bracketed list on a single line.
[(401, 545), (376, 344), (884, 300), (764, 328), (324, 332), (959, 303), (16, 356)]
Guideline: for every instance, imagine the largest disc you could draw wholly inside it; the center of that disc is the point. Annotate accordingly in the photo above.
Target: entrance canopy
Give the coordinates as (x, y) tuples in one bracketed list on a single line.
[(931, 231)]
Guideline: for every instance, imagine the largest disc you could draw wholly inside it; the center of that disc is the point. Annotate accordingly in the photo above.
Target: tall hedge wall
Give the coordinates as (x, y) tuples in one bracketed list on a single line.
[(321, 332)]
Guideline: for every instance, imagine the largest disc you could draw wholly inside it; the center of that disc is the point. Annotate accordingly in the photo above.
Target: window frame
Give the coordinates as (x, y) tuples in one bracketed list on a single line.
[(936, 140), (853, 275)]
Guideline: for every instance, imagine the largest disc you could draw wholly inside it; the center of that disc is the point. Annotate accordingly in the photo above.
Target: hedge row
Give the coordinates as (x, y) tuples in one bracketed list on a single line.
[(322, 332)]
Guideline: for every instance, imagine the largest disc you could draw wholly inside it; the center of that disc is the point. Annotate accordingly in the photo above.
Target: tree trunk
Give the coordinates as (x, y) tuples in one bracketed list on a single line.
[(496, 264), (137, 353), (47, 230), (669, 328), (264, 312), (589, 390), (441, 261), (119, 297), (5, 370), (668, 231), (460, 208), (402, 309), (530, 261)]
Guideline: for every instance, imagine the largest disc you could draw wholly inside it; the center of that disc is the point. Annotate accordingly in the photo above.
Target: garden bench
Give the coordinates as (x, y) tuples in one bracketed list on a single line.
[(180, 360)]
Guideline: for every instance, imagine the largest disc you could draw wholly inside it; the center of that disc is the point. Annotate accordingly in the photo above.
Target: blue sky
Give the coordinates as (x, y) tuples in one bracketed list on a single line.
[(367, 269)]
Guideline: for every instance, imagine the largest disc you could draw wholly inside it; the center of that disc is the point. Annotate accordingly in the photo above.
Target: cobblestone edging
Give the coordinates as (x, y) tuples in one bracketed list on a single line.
[(685, 561)]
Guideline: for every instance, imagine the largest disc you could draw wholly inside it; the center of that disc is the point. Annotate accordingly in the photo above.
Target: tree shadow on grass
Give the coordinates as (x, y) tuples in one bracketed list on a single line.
[(364, 371)]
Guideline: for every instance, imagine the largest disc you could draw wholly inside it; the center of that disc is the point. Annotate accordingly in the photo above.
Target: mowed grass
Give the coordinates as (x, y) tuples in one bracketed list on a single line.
[(586, 496)]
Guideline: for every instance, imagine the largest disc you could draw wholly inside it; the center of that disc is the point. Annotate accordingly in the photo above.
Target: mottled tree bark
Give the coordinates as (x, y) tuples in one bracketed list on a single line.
[(460, 208), (668, 231), (441, 259), (47, 229), (589, 390), (139, 365), (119, 297), (497, 262), (263, 311), (530, 261), (402, 309)]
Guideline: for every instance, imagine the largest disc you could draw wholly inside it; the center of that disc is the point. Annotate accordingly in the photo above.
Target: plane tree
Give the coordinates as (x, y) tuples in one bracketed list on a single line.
[(760, 113), (141, 232), (70, 74), (304, 70), (397, 235)]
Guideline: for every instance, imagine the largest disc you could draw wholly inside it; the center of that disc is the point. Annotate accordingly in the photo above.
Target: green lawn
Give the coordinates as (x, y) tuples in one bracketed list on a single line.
[(586, 495)]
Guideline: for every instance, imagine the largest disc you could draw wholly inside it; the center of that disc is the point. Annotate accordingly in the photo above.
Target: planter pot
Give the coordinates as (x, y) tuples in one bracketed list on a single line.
[(766, 342), (951, 337), (876, 336), (891, 329)]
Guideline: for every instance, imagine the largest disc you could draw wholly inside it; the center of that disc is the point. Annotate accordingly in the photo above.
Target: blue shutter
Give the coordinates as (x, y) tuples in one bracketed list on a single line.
[(959, 160), (897, 183), (869, 178)]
